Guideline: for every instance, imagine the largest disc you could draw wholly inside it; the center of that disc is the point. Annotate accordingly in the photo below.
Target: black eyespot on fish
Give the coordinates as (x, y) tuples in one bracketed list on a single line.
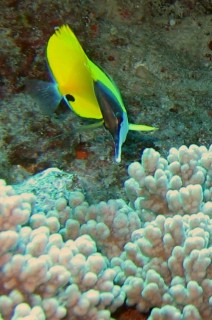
[(69, 97)]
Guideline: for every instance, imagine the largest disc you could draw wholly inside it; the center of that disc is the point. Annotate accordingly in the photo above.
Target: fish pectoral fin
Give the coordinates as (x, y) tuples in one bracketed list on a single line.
[(46, 94), (91, 125), (141, 127)]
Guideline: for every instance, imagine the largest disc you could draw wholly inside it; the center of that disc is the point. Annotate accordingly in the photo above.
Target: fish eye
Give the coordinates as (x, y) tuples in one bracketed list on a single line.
[(69, 97), (119, 120)]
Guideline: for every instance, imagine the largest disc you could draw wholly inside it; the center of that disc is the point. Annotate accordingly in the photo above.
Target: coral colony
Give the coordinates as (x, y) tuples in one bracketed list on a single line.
[(61, 258)]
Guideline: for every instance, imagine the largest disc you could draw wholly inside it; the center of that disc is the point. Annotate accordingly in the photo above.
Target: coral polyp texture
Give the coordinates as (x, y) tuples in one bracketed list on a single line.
[(168, 263), (180, 184), (62, 258)]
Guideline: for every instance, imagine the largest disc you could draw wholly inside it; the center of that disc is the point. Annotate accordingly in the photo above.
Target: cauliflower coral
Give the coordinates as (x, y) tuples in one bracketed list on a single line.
[(61, 258), (168, 263)]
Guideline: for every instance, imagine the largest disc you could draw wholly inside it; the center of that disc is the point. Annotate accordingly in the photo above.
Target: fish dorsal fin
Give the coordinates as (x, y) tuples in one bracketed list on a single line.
[(70, 69), (141, 127), (67, 61)]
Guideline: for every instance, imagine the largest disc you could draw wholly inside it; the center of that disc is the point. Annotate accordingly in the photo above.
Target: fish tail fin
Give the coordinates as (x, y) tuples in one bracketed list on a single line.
[(46, 94), (141, 127)]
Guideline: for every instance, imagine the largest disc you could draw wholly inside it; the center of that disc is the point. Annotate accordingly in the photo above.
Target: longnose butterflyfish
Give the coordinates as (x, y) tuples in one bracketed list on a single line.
[(87, 90)]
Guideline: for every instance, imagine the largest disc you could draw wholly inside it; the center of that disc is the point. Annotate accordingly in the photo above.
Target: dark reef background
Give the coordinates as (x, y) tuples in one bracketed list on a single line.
[(159, 53)]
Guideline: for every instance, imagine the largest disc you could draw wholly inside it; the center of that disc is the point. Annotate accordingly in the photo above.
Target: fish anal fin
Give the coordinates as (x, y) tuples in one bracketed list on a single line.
[(91, 126)]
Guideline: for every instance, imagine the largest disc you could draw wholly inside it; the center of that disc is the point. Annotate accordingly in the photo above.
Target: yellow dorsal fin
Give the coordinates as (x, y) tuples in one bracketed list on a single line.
[(70, 69), (68, 61)]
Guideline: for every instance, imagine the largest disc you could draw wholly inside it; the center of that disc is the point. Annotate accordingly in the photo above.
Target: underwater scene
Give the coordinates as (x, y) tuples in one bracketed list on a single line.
[(106, 160)]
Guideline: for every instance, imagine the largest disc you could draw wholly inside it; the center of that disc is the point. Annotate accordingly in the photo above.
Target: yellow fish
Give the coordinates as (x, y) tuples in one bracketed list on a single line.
[(86, 89)]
